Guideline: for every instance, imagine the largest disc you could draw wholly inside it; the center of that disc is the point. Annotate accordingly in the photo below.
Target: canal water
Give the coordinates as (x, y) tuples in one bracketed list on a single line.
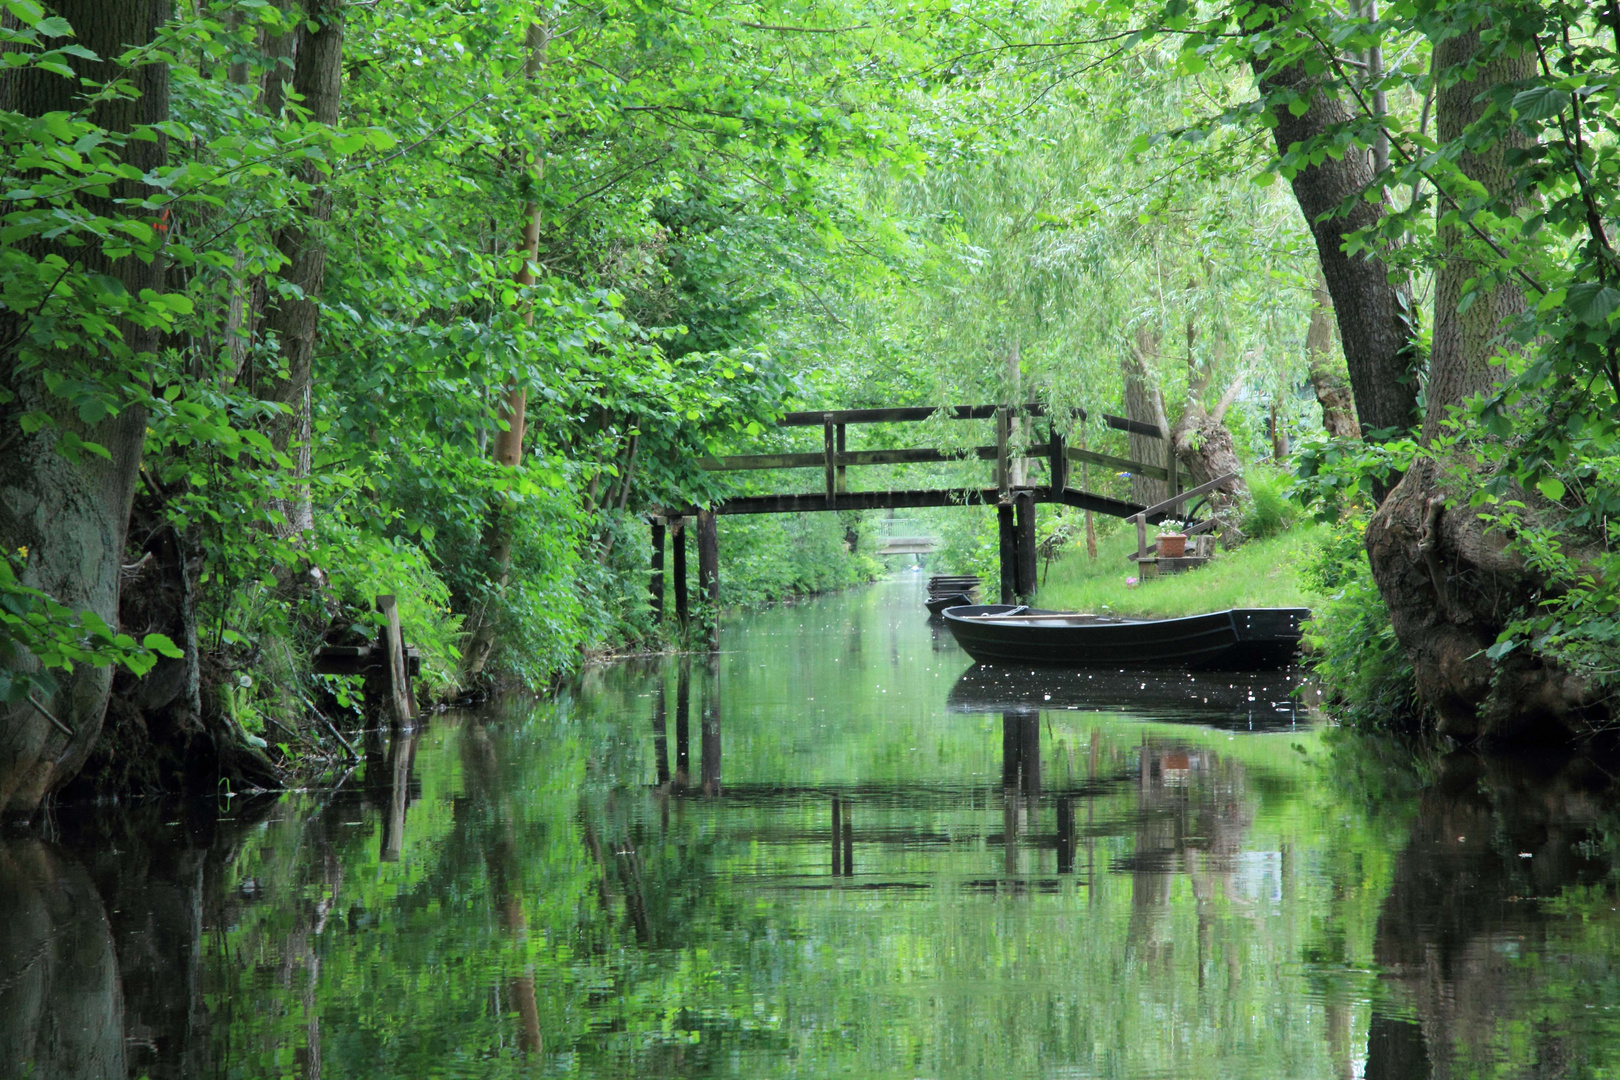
[(835, 850)]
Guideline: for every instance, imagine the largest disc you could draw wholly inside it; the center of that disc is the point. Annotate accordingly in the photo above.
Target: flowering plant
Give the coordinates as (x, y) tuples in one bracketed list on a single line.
[(1171, 527)]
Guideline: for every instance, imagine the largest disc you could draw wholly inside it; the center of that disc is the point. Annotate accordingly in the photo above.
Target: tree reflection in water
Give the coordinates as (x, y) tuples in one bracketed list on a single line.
[(869, 886)]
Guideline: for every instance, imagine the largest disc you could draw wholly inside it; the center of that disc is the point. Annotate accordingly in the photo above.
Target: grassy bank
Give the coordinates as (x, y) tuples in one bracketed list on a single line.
[(1262, 573)]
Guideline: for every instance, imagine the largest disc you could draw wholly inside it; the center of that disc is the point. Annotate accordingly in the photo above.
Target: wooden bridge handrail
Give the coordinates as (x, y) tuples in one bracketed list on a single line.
[(906, 414), (1191, 493), (916, 456)]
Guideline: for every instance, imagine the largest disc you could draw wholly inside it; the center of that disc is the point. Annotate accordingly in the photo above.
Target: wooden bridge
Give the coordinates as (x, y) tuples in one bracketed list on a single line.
[(1015, 503)]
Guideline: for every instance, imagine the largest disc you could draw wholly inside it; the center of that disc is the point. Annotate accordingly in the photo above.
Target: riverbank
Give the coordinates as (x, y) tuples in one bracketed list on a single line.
[(1261, 573)]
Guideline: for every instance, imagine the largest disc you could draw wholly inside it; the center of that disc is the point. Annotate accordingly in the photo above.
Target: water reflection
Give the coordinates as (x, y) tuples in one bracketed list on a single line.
[(877, 866)]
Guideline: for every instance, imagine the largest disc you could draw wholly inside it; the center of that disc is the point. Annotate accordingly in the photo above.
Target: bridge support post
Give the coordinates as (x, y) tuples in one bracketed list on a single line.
[(655, 580), (1009, 552), (1025, 583), (708, 545), (677, 540)]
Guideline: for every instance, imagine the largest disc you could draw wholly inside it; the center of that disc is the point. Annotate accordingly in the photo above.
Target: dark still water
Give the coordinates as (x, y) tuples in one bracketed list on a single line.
[(826, 852)]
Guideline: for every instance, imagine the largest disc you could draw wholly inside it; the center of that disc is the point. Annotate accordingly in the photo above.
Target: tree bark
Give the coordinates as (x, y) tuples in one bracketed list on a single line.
[(1451, 585), (497, 538), (1145, 402), (1375, 316), (1204, 447), (292, 320), (71, 515), (1331, 384)]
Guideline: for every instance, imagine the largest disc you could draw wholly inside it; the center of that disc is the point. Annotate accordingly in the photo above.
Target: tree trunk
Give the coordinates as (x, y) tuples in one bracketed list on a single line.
[(1331, 385), (292, 320), (1374, 317), (497, 538), (71, 515), (1204, 447), (1449, 584), (1145, 402)]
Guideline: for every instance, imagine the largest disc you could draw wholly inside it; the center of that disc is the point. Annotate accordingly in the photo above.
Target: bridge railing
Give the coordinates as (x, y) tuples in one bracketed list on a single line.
[(835, 459)]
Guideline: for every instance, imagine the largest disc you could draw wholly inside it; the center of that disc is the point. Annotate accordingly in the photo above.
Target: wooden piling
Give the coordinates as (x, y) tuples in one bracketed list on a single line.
[(709, 746), (683, 724), (837, 837), (708, 545), (655, 581), (677, 543), (397, 700), (1009, 552), (661, 736), (1025, 581)]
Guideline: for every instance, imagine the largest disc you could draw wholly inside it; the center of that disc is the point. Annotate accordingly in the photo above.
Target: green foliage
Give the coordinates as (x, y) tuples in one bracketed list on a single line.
[(39, 635), (1350, 643), (1271, 508)]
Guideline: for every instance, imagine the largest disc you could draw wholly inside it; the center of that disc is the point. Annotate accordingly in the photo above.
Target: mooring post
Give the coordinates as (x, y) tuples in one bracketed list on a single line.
[(1009, 552), (708, 545), (397, 682), (1065, 835), (1024, 583), (838, 837), (677, 541), (655, 581)]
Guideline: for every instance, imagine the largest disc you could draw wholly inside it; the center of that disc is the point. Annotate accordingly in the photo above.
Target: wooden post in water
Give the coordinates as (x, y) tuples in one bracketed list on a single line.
[(1009, 552), (683, 723), (1065, 835), (708, 545), (655, 581), (849, 843), (677, 541), (661, 735), (838, 837), (709, 763), (1024, 502), (398, 701)]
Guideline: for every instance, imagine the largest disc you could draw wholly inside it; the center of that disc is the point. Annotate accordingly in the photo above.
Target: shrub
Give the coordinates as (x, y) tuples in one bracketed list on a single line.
[(1350, 642)]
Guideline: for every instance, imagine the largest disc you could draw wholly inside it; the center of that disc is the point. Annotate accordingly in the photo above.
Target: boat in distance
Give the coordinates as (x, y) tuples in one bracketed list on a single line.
[(1239, 639)]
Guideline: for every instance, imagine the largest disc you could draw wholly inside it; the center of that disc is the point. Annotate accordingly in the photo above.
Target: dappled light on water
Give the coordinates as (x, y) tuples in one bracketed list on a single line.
[(838, 849)]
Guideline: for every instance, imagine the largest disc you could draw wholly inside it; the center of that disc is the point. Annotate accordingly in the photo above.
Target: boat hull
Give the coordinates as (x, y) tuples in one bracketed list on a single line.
[(1242, 639)]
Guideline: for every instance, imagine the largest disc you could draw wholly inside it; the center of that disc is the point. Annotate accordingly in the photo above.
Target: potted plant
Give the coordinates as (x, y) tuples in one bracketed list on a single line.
[(1172, 541)]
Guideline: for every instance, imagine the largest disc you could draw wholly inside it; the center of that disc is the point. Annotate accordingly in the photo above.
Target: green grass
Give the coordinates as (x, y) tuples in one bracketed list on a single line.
[(1261, 573)]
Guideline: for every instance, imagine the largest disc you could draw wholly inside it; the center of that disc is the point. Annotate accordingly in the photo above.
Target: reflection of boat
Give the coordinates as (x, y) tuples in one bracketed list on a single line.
[(1241, 639), (938, 604), (1233, 700)]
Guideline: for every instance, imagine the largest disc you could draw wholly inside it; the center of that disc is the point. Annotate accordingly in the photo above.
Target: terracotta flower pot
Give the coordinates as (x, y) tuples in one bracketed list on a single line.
[(1172, 545)]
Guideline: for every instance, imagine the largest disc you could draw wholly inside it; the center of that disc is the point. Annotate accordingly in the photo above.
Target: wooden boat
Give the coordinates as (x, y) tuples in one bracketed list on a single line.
[(937, 604), (1241, 639), (1232, 700)]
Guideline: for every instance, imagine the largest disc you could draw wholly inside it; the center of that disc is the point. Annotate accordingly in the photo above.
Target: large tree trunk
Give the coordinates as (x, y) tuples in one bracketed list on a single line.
[(1450, 585), (1373, 313), (1145, 402), (1330, 383), (1204, 447), (497, 537), (71, 515), (292, 320)]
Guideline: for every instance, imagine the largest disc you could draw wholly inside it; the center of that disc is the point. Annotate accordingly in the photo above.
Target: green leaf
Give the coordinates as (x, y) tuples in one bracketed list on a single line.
[(1540, 102), (1552, 487), (160, 644), (1592, 301)]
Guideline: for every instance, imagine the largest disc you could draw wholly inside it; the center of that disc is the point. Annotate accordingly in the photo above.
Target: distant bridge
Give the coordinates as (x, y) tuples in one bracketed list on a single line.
[(1014, 504), (907, 545)]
